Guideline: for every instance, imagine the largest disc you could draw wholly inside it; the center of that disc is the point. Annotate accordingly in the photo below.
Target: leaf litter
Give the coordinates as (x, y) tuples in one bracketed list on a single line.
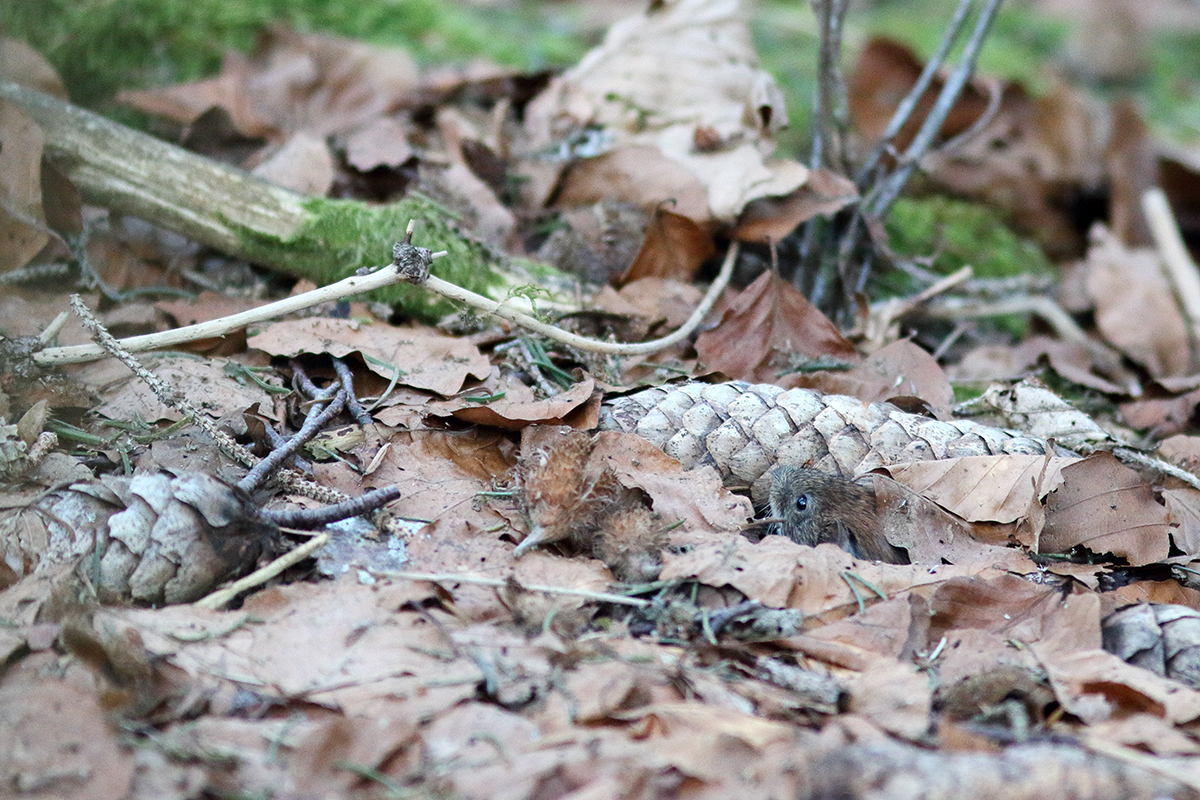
[(572, 612)]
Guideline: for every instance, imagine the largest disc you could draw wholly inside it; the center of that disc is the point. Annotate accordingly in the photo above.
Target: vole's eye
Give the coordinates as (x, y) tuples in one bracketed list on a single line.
[(802, 502)]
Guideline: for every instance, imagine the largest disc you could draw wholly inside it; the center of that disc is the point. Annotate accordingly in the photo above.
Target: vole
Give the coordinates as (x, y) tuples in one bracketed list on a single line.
[(817, 507)]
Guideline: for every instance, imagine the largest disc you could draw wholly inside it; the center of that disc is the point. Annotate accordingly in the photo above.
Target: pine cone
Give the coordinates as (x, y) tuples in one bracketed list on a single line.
[(148, 539), (1164, 639), (745, 429)]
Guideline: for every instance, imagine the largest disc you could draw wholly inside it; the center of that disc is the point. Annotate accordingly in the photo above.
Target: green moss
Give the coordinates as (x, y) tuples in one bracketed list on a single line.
[(344, 235), (957, 234), (962, 233), (101, 46), (1173, 103)]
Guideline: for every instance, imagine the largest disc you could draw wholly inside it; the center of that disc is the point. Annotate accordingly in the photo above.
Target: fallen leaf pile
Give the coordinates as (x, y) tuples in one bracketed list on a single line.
[(578, 593)]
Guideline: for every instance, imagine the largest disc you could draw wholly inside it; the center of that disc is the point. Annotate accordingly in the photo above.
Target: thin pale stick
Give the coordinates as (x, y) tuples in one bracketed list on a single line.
[(1181, 270), (478, 580), (263, 574), (449, 290), (356, 284)]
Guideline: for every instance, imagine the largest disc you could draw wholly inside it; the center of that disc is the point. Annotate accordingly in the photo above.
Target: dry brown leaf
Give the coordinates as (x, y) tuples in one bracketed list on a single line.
[(1147, 732), (301, 163), (931, 535), (319, 83), (597, 242), (900, 369), (440, 474), (1167, 591), (457, 185), (894, 695), (984, 488), (1016, 609), (202, 380), (1182, 451), (1107, 508), (381, 142), (518, 406), (764, 326), (421, 357), (335, 643), (1183, 512), (56, 739), (1097, 686), (21, 64), (1161, 416), (1032, 157), (674, 247), (22, 222), (639, 175), (1097, 368), (671, 300), (769, 219), (659, 78), (782, 574), (1128, 288), (695, 497), (881, 631)]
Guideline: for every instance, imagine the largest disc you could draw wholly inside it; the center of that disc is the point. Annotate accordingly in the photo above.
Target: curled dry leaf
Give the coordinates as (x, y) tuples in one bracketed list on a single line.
[(314, 82), (22, 221), (695, 498), (680, 68), (985, 488), (930, 534), (1183, 512), (1128, 287), (517, 407), (1097, 686), (767, 329), (769, 219), (303, 164), (674, 247)]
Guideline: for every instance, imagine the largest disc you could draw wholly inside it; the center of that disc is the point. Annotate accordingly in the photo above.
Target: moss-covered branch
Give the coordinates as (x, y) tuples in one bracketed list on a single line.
[(309, 237)]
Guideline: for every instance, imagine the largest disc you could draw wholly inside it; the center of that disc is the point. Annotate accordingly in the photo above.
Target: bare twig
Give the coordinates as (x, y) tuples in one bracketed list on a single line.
[(452, 292), (316, 419), (170, 397), (166, 393), (307, 518), (384, 277), (352, 404), (828, 132), (356, 284), (909, 103), (886, 192)]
